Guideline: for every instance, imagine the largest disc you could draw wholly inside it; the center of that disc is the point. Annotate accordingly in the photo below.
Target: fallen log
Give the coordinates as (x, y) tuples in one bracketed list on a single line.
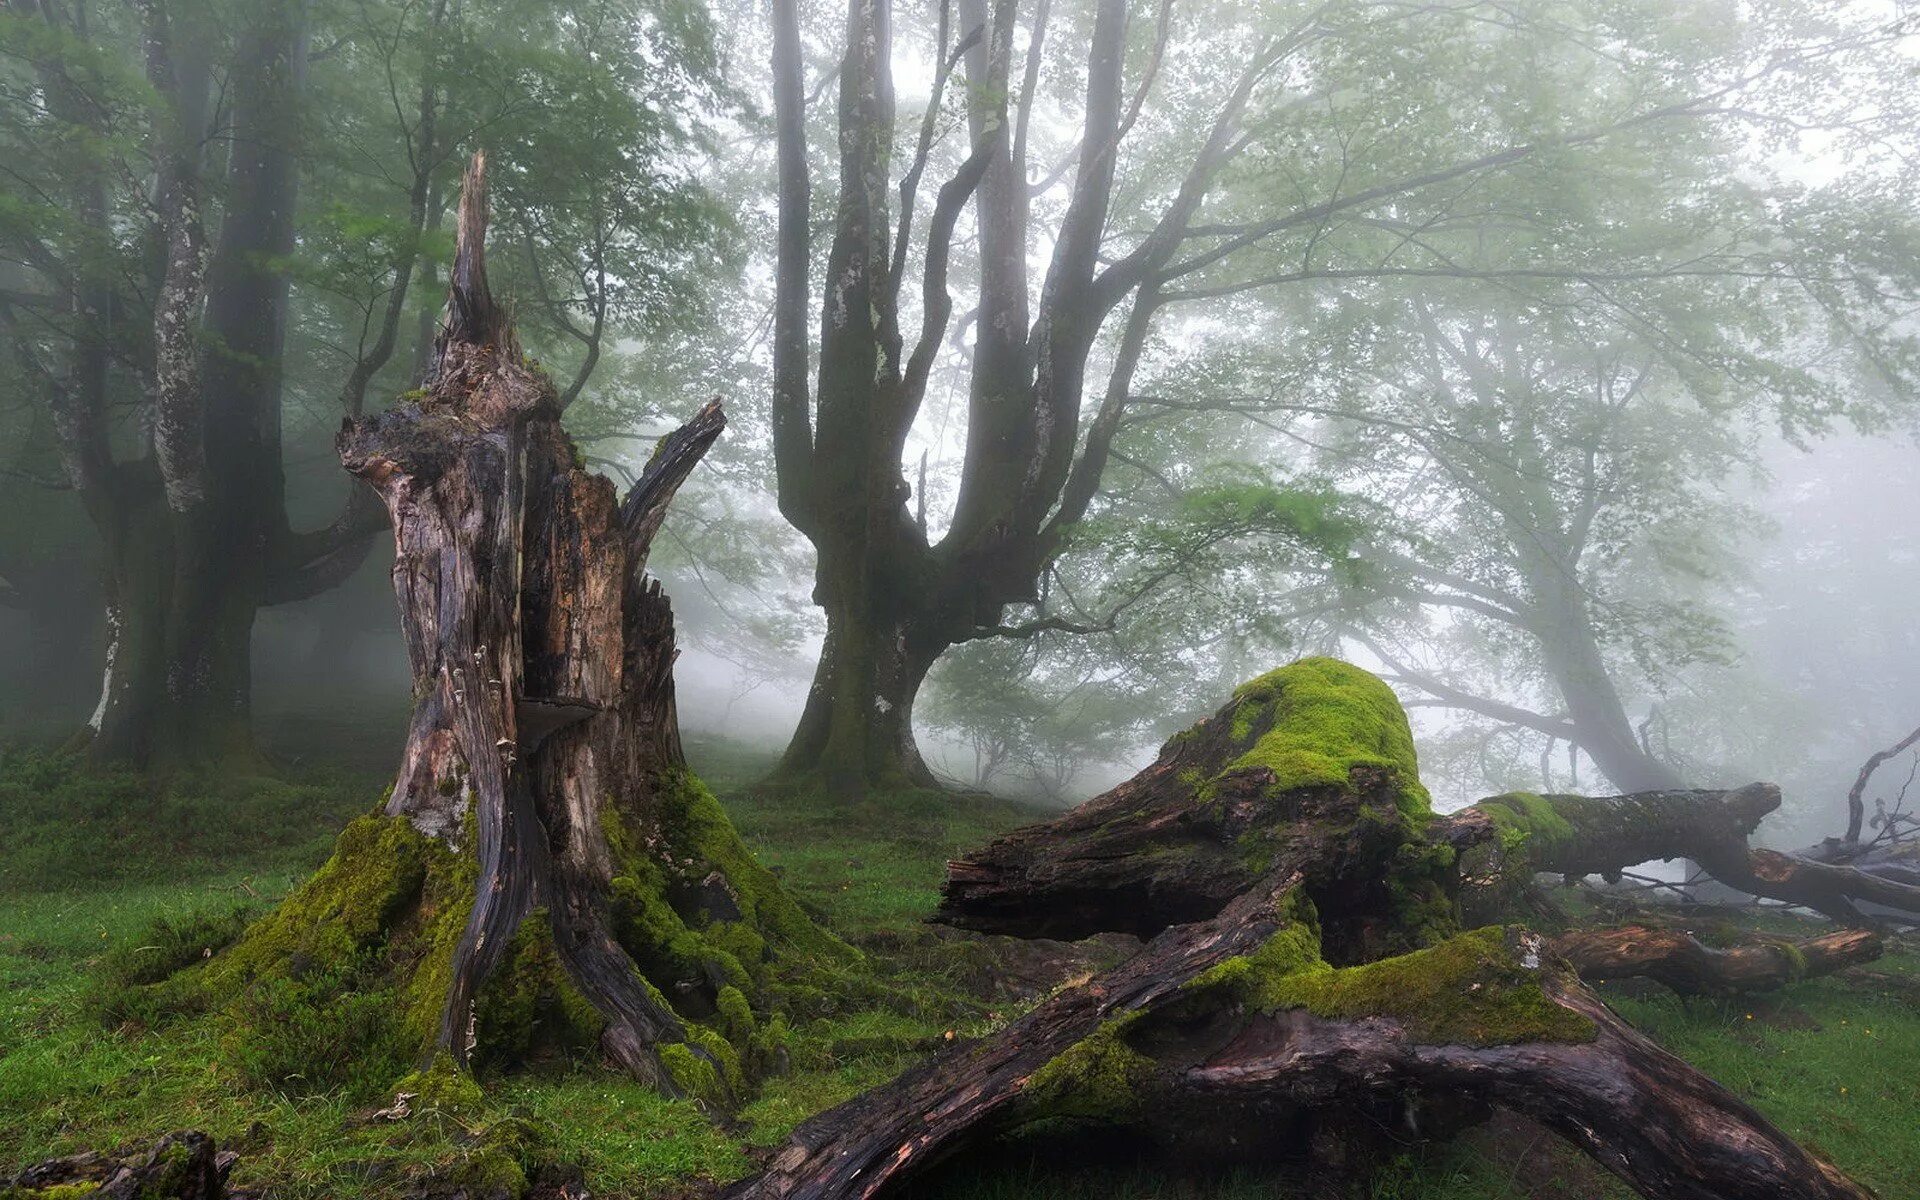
[(1234, 1031), (1683, 963), (1307, 983), (181, 1166), (1583, 835)]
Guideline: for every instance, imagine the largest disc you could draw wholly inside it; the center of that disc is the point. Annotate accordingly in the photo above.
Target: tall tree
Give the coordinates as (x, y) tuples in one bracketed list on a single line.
[(1286, 144)]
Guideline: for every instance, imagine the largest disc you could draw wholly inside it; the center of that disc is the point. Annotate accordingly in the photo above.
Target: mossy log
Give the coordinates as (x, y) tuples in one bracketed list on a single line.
[(1686, 964), (1204, 822), (181, 1166), (1586, 835), (545, 874), (1307, 985)]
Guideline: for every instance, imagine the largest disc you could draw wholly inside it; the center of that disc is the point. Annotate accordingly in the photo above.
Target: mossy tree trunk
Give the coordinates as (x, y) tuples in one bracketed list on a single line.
[(1308, 985), (544, 858), (1582, 835)]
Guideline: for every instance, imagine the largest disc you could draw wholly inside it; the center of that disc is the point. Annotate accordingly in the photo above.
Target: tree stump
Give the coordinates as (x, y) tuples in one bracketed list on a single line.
[(1307, 984), (545, 873)]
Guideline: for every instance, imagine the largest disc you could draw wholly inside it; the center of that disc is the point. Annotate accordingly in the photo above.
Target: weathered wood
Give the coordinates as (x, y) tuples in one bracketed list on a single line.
[(1172, 844), (1191, 1064), (1306, 983), (888, 1134), (181, 1166), (1679, 960), (540, 650)]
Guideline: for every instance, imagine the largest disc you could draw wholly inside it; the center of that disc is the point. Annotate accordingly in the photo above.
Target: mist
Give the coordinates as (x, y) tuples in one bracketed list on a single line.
[(618, 593)]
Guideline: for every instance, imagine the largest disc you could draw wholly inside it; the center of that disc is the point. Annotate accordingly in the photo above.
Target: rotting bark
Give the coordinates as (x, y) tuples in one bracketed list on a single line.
[(544, 857), (1307, 984)]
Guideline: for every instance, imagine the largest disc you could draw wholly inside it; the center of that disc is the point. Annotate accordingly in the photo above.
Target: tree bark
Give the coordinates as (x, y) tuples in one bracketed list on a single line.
[(191, 535), (1580, 835), (181, 1166), (895, 601)]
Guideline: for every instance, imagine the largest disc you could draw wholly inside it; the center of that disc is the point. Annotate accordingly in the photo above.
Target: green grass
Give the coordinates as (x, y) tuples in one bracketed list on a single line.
[(67, 1082)]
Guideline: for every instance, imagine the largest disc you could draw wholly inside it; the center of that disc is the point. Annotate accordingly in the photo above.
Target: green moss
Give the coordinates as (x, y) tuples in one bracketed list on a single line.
[(53, 1191), (1099, 1077), (377, 868), (491, 1173), (170, 1174), (529, 1005), (1796, 960), (1293, 948), (735, 1015), (1322, 718), (1421, 902), (1476, 989), (693, 1076), (441, 1086), (687, 804), (1527, 822)]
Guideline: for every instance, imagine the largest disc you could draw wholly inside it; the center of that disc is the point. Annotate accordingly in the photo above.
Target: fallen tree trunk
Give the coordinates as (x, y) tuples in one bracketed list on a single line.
[(1685, 964), (1583, 835), (1306, 986)]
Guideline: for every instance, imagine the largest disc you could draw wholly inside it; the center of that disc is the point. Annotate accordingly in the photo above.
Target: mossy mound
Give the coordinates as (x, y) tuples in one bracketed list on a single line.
[(344, 983), (1313, 721)]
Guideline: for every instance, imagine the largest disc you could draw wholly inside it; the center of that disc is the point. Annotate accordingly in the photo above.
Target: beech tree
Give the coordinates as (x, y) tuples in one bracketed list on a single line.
[(1310, 144)]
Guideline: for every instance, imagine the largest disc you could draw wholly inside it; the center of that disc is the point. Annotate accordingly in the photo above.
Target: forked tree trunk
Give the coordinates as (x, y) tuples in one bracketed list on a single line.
[(542, 824), (1306, 987)]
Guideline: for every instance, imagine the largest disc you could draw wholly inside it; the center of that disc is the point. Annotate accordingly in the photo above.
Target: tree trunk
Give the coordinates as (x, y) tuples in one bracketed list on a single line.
[(1678, 960), (192, 535), (58, 601), (1574, 660), (1580, 835), (176, 686), (545, 871), (856, 731), (1307, 986)]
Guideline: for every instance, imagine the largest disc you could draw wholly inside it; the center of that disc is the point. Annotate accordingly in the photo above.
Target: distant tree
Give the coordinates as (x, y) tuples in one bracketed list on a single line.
[(218, 212), (1210, 154)]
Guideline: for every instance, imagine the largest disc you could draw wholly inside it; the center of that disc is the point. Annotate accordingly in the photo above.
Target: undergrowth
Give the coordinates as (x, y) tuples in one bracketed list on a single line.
[(82, 1066)]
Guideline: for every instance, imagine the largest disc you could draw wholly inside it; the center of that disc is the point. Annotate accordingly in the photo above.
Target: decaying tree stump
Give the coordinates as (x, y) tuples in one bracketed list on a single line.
[(1306, 986), (545, 868)]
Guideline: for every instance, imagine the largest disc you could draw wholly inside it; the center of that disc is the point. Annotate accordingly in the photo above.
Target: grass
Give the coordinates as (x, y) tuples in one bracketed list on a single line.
[(1830, 1060)]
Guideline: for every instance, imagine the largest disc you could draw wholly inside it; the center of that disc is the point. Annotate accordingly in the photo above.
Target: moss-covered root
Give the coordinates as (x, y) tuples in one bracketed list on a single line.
[(344, 983)]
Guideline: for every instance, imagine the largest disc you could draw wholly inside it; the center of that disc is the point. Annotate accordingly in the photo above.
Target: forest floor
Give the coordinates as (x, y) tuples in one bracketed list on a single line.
[(87, 865)]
